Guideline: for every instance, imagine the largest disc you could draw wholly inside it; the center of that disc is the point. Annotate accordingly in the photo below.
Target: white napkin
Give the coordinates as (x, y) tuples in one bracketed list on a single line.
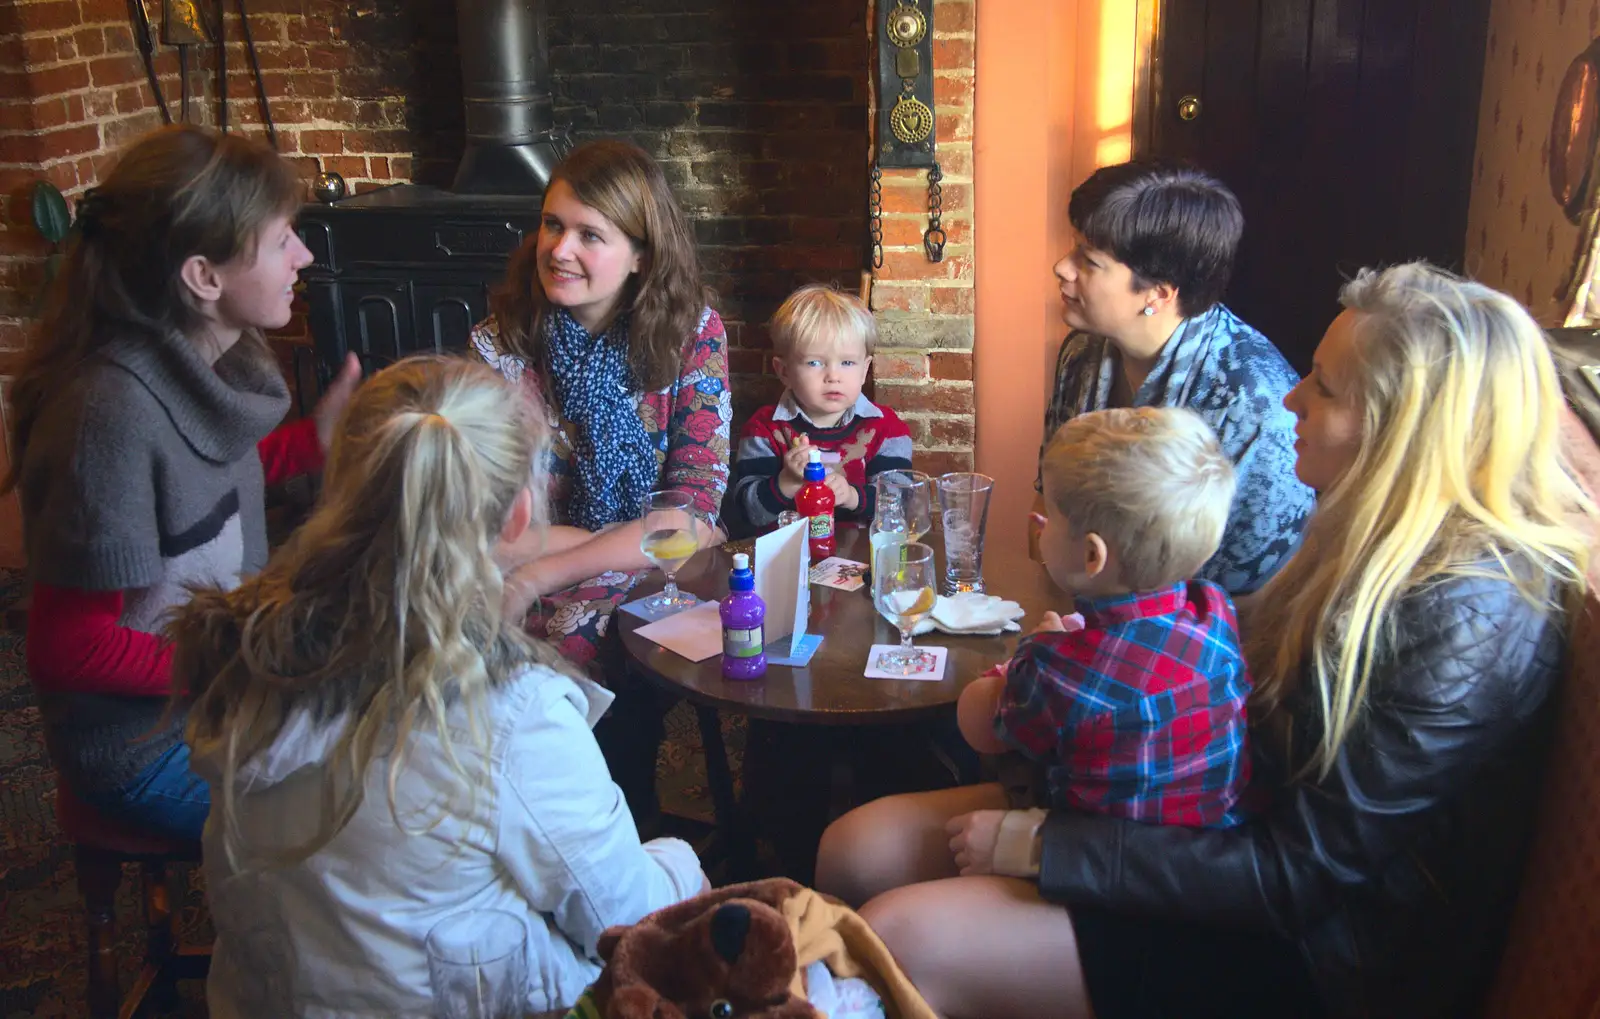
[(973, 614)]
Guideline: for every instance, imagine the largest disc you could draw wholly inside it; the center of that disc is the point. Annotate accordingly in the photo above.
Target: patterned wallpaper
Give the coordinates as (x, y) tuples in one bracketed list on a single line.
[(1517, 237)]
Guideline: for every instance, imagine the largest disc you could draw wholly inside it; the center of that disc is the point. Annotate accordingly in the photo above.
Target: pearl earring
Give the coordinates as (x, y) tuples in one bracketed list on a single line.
[(1149, 309)]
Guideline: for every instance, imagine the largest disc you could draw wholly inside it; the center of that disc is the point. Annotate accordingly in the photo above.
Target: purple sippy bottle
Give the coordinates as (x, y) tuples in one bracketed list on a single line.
[(743, 615)]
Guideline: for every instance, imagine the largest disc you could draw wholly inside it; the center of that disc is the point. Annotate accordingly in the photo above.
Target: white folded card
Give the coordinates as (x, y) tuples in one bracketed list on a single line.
[(782, 564), (695, 633)]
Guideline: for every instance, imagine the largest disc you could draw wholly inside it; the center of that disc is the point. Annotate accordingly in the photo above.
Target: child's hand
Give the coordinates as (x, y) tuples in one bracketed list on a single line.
[(1055, 622), (845, 496), (794, 467), (1051, 623)]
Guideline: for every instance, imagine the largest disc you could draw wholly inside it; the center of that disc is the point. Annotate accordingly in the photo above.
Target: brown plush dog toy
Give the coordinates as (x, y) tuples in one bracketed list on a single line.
[(741, 952), (727, 954)]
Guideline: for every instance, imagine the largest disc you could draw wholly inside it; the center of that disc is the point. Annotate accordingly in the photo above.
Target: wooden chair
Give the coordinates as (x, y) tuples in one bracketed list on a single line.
[(100, 847)]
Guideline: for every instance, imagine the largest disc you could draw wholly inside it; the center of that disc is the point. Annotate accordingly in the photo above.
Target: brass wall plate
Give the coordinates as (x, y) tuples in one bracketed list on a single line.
[(906, 115), (907, 25)]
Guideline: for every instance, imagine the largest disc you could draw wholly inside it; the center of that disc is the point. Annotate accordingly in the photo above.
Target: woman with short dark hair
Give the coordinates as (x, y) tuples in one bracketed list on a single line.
[(1153, 248)]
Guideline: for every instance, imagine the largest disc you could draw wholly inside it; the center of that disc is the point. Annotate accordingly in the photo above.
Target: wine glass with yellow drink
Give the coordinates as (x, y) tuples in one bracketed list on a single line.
[(903, 586), (671, 536)]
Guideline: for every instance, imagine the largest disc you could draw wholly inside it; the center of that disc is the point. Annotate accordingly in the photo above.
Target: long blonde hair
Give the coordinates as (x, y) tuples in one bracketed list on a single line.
[(384, 608), (1458, 470)]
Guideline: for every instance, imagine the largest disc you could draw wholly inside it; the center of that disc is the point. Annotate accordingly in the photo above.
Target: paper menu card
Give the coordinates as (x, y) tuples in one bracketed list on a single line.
[(783, 572), (840, 573), (695, 633)]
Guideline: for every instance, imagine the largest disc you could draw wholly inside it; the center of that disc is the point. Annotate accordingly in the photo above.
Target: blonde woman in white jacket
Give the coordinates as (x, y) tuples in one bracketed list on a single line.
[(385, 746)]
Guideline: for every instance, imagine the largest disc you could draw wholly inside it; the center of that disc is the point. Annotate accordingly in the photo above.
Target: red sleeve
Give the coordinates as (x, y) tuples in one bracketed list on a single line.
[(290, 451), (76, 646)]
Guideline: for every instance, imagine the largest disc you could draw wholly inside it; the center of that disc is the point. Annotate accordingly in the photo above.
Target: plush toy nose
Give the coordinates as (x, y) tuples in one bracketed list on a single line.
[(730, 925)]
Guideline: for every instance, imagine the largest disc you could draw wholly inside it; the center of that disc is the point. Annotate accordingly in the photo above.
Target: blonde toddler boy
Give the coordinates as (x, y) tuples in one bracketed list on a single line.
[(822, 342), (1140, 713)]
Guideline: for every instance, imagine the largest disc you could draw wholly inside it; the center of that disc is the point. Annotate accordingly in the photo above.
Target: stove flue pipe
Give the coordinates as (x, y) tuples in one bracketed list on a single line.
[(512, 143)]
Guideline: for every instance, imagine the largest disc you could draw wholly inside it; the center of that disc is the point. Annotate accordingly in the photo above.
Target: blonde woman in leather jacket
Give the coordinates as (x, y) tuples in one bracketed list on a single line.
[(1403, 664)]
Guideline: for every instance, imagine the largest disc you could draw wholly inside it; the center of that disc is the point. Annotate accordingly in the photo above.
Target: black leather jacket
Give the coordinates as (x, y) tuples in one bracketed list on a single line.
[(1396, 874)]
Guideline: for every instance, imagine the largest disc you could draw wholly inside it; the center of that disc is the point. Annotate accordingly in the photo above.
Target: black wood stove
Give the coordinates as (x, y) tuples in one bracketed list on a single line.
[(408, 268)]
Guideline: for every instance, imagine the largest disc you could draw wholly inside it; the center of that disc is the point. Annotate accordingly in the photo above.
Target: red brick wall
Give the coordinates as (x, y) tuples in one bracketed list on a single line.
[(925, 309), (66, 98), (758, 112)]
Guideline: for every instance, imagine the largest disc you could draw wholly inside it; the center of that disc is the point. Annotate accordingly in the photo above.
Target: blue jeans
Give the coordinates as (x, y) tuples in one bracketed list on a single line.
[(167, 798)]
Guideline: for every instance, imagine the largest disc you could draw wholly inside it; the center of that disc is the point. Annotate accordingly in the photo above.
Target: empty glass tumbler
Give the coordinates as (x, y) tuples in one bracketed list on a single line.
[(478, 963), (964, 512)]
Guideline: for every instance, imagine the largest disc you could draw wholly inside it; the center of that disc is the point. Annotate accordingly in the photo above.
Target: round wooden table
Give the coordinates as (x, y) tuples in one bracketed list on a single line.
[(826, 697), (830, 689)]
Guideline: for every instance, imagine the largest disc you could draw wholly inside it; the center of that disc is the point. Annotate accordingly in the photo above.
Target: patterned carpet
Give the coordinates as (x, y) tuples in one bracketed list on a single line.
[(42, 943)]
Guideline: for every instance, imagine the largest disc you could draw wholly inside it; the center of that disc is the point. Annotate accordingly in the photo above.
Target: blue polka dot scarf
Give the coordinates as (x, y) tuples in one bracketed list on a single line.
[(614, 463)]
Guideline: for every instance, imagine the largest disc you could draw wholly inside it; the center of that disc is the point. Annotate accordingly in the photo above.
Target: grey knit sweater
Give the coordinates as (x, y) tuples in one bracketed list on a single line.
[(143, 477)]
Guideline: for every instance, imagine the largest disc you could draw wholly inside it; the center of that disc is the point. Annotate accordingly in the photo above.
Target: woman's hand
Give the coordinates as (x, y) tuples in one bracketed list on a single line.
[(972, 840), (523, 587), (331, 407), (712, 533)]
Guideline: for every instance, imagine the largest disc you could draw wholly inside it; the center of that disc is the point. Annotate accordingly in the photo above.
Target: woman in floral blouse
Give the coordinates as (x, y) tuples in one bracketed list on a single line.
[(602, 321)]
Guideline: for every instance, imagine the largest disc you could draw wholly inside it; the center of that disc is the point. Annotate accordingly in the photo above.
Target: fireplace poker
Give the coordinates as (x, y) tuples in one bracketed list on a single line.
[(144, 38), (222, 66), (180, 27), (255, 68)]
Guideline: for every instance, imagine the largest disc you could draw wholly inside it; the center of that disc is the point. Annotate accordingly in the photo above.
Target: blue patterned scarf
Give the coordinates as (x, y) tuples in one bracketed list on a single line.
[(614, 464)]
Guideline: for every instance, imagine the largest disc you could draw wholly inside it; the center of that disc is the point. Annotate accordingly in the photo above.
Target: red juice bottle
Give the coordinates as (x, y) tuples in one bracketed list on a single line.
[(815, 502), (743, 631)]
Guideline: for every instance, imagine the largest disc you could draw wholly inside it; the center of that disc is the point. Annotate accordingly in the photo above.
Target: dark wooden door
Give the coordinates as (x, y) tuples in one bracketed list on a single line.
[(1346, 127)]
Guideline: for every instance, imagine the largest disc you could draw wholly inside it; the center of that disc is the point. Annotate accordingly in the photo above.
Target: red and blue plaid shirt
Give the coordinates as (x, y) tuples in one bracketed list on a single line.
[(1141, 714)]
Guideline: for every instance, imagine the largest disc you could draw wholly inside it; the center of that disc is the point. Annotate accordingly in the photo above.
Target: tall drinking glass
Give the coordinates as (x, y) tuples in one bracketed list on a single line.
[(478, 965), (964, 510), (671, 536), (889, 525), (913, 491), (903, 588)]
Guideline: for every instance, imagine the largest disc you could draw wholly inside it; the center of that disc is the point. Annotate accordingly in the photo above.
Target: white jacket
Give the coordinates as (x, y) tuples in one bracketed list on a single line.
[(342, 934)]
